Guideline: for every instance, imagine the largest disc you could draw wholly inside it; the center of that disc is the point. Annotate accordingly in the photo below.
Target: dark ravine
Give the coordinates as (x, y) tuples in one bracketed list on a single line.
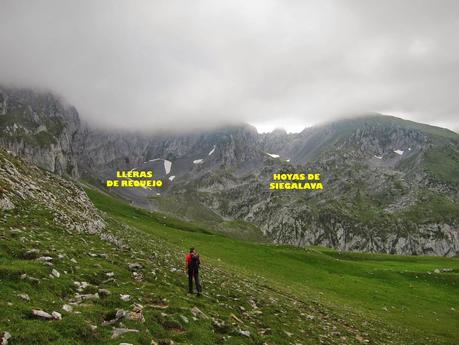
[(390, 185)]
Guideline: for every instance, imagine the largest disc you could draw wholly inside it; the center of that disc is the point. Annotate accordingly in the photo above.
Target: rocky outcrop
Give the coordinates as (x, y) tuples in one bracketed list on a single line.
[(24, 185)]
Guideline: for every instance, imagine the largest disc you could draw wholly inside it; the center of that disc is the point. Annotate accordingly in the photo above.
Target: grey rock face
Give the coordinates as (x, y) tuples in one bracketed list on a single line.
[(41, 128)]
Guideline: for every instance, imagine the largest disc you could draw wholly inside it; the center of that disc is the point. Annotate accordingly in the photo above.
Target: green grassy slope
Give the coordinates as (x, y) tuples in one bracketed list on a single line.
[(402, 292), (239, 307), (254, 293)]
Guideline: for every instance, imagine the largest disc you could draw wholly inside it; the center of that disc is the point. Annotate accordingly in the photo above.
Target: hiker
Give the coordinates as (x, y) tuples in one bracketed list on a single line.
[(192, 262)]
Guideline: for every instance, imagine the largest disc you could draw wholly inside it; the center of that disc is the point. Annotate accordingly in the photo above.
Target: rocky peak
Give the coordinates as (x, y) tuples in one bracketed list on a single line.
[(41, 127)]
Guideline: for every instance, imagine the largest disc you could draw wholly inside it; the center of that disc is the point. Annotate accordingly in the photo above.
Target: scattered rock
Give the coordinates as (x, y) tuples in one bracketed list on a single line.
[(265, 331), (56, 315), (135, 266), (125, 298), (104, 292), (81, 285), (220, 326), (166, 342), (243, 333), (120, 314), (86, 297), (24, 296), (67, 307), (31, 279), (136, 314), (198, 313), (236, 318), (138, 276), (44, 259), (4, 337), (160, 304), (55, 273), (362, 340), (42, 314), (120, 331), (31, 254)]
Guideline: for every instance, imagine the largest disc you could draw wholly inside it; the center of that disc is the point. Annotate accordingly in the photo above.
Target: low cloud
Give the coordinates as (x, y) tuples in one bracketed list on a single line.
[(181, 64)]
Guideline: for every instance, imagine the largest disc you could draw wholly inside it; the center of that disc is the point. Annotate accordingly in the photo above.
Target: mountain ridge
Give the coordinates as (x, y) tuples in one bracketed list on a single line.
[(383, 176)]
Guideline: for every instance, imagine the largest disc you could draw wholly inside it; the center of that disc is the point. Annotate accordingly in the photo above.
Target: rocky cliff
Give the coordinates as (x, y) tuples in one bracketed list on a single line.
[(40, 127)]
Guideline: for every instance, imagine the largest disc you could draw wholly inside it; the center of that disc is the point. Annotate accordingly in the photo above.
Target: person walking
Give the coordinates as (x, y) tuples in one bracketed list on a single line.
[(192, 263)]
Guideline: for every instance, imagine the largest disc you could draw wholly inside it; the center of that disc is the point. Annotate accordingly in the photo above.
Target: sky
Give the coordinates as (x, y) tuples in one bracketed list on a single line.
[(272, 63)]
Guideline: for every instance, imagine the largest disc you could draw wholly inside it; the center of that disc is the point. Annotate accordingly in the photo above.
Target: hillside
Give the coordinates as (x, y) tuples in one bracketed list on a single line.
[(390, 185), (117, 278)]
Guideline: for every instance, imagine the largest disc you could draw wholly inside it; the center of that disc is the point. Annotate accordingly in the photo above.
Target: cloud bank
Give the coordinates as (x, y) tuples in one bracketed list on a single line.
[(188, 64)]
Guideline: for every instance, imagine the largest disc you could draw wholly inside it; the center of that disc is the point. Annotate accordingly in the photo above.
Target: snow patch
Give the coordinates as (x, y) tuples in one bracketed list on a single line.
[(288, 160), (272, 155), (167, 166), (212, 151), (379, 157), (399, 152), (171, 178), (409, 148), (198, 161), (153, 160)]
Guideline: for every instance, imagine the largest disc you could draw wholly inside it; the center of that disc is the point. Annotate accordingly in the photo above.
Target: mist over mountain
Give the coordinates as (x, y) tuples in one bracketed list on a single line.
[(390, 185)]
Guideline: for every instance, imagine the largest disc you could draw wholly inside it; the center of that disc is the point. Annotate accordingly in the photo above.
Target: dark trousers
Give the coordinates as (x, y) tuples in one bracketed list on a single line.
[(193, 274)]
